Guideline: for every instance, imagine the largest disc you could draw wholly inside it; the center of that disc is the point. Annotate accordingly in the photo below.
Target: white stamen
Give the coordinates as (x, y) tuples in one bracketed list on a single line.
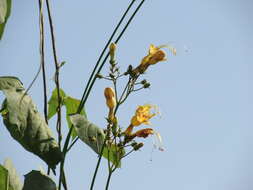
[(157, 141)]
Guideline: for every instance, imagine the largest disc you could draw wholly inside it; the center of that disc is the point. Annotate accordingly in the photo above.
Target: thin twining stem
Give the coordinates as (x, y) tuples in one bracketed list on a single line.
[(102, 54), (42, 55), (56, 77), (127, 24), (84, 98), (81, 105), (105, 59)]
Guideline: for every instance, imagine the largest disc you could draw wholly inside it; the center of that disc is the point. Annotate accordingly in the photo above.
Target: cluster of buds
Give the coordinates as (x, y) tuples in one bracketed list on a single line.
[(145, 83), (136, 146)]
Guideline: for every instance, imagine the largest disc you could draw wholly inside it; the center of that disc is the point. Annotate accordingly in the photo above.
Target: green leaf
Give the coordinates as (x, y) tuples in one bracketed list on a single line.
[(35, 180), (53, 103), (71, 105), (114, 154), (25, 124), (4, 178), (5, 11), (94, 137)]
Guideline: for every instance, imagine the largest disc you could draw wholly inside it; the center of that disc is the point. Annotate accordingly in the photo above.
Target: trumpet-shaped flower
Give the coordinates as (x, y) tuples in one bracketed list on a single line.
[(142, 115), (155, 55)]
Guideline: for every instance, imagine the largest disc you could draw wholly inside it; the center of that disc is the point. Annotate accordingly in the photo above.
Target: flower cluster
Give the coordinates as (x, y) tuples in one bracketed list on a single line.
[(116, 135)]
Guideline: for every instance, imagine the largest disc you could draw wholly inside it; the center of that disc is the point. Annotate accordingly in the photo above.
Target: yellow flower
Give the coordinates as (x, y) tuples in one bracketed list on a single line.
[(154, 56), (142, 115)]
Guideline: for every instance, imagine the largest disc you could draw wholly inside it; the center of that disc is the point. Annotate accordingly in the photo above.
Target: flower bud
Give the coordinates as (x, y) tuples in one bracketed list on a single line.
[(99, 76), (112, 50), (144, 81), (112, 76), (158, 56), (146, 85), (133, 144), (138, 146), (144, 133), (110, 97)]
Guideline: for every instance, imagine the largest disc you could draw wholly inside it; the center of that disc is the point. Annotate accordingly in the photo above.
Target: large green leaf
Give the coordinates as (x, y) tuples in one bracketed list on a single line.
[(71, 105), (26, 124), (4, 178), (5, 11), (94, 137), (35, 180)]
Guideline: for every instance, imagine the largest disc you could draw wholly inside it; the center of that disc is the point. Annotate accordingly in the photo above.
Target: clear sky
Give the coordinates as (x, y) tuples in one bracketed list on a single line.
[(204, 93)]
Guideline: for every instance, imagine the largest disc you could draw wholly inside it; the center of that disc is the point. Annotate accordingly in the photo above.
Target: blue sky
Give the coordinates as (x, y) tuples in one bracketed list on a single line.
[(204, 93)]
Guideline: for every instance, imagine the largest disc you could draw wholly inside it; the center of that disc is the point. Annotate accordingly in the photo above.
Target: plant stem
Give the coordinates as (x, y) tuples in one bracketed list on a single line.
[(91, 83), (105, 59), (108, 180), (57, 83), (84, 98), (101, 55), (127, 154), (97, 166), (64, 151), (42, 56)]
